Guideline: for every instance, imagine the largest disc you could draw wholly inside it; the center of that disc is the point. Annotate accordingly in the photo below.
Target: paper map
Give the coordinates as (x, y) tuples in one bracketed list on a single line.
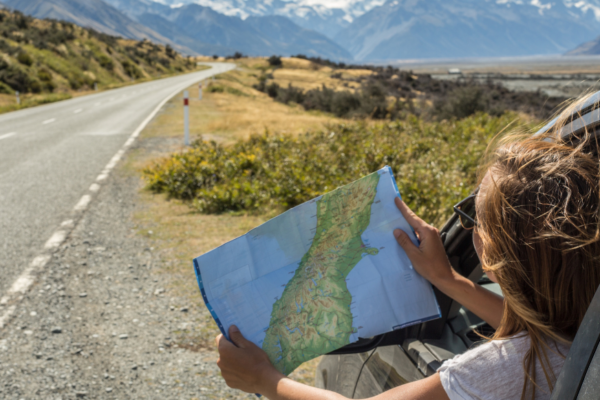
[(319, 276)]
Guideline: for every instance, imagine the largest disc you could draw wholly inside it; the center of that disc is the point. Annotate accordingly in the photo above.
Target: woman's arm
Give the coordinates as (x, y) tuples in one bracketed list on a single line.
[(246, 367), (431, 262)]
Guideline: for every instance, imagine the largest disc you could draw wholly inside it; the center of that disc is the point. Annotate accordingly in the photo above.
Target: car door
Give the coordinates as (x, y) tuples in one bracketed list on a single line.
[(580, 376)]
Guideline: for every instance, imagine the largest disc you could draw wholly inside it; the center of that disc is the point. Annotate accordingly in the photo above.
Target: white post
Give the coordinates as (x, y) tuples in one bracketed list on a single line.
[(200, 91), (96, 86), (18, 98), (186, 118)]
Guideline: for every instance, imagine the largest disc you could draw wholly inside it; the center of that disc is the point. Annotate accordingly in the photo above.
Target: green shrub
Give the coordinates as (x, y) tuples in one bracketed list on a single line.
[(434, 163), (105, 61), (44, 75), (16, 78), (5, 89), (25, 59), (131, 69), (370, 101)]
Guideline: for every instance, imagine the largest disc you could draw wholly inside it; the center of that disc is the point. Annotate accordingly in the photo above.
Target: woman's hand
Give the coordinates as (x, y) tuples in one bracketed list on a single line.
[(244, 365), (429, 259)]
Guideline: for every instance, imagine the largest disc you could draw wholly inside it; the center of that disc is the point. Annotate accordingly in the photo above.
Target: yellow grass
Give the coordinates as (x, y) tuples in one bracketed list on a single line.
[(225, 117)]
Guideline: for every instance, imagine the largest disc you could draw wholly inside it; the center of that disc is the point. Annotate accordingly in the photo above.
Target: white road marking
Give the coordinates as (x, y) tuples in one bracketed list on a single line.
[(68, 224), (27, 277), (49, 121), (7, 135), (83, 203), (56, 240), (78, 111)]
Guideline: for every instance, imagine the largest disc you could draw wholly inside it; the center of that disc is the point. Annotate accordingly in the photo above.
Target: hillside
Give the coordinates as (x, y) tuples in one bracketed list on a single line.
[(406, 29), (94, 14), (45, 56)]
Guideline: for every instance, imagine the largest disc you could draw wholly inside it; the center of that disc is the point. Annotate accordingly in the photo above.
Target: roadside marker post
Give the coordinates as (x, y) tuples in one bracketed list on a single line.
[(18, 98), (186, 117), (200, 91), (96, 86)]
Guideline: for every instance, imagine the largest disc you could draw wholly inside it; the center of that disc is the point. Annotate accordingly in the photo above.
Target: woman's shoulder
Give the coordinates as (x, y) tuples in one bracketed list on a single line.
[(510, 347), (491, 351), (493, 369)]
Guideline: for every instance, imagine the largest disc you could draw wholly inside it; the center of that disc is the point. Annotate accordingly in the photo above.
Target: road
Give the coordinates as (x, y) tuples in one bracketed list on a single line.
[(51, 154)]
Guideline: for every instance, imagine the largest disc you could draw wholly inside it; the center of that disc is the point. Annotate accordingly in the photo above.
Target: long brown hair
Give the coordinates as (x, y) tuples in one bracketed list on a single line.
[(540, 228)]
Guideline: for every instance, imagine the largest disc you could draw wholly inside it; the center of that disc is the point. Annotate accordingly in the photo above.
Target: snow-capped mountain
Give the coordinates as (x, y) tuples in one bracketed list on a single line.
[(324, 16), (413, 29)]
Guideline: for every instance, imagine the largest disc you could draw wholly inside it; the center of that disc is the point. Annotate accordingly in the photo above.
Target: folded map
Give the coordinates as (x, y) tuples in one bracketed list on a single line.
[(319, 276)]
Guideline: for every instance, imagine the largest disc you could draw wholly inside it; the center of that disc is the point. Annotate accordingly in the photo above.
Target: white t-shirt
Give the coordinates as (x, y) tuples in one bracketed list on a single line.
[(494, 371)]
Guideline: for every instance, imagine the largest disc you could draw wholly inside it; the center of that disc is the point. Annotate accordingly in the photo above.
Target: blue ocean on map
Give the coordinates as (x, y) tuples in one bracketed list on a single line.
[(242, 279)]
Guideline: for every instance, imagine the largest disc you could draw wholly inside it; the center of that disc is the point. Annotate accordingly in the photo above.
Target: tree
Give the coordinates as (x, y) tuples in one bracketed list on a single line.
[(275, 61)]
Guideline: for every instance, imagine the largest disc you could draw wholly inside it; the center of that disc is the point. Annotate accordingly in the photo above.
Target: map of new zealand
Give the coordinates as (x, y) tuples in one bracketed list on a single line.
[(319, 276)]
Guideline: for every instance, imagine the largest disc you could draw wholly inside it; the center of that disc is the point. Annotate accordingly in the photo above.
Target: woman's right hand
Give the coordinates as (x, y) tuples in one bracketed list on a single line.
[(429, 259)]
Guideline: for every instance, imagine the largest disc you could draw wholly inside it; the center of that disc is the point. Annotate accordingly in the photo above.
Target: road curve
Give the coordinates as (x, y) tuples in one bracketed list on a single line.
[(51, 154)]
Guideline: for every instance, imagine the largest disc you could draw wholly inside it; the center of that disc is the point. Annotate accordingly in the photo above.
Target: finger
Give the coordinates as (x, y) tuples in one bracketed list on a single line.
[(237, 338), (218, 339), (410, 217), (404, 241)]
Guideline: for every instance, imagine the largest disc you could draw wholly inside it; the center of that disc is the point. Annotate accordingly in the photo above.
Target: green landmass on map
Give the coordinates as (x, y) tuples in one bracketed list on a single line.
[(313, 315)]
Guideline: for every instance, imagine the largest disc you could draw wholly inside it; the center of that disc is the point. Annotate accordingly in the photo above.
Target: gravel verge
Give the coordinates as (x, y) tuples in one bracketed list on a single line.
[(101, 321)]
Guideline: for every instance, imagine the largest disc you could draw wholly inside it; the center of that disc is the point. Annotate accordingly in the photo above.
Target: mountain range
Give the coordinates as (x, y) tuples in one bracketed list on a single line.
[(192, 29), (413, 29), (360, 30), (324, 16)]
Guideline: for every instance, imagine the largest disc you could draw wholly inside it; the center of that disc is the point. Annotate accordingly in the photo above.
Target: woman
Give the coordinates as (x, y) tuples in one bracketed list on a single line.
[(537, 234)]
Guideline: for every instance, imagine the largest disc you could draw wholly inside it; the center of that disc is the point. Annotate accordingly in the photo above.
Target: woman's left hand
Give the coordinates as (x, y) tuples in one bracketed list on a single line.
[(243, 364)]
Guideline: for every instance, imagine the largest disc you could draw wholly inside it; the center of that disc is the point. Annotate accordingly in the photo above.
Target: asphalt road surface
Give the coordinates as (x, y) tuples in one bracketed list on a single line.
[(51, 154)]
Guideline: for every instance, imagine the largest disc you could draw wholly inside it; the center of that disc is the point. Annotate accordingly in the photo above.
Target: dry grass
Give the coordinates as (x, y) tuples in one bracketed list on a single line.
[(226, 117)]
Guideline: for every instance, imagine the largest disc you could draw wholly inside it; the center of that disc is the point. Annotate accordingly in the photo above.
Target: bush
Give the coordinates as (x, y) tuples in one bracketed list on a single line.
[(370, 101), (25, 59), (275, 61), (462, 102), (105, 61), (170, 52), (44, 75), (131, 69), (4, 88), (434, 164), (16, 78)]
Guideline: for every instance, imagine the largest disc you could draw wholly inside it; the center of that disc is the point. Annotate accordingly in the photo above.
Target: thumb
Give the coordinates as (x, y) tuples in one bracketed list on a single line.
[(237, 338), (404, 241)]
